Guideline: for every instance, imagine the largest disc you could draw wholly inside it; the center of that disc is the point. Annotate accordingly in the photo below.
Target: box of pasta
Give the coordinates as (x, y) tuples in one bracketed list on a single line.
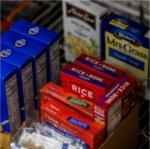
[(47, 36), (36, 50), (9, 98), (25, 74)]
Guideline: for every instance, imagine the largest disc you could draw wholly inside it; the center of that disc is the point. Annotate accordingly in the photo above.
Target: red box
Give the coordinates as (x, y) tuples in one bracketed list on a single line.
[(52, 91), (110, 108), (87, 85), (63, 117), (94, 65)]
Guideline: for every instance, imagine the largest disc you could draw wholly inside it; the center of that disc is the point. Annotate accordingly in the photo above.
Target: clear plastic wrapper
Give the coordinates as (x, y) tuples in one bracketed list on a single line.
[(45, 136)]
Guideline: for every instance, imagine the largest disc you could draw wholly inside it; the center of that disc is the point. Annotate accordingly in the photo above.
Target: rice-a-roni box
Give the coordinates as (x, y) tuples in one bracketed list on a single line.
[(82, 21), (125, 44)]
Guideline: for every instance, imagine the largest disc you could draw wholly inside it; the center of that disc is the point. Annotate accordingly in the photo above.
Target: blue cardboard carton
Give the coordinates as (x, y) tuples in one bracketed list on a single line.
[(9, 101), (46, 36), (124, 43), (25, 74), (36, 50)]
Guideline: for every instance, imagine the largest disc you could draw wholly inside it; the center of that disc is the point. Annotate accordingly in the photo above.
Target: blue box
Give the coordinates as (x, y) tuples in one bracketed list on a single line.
[(46, 36), (9, 101), (25, 75), (36, 50), (124, 44)]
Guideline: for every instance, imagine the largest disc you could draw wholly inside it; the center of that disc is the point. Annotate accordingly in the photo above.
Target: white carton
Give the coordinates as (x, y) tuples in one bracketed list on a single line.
[(82, 20)]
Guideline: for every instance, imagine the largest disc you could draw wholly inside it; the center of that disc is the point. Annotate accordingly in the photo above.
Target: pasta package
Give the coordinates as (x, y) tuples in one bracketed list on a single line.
[(82, 21)]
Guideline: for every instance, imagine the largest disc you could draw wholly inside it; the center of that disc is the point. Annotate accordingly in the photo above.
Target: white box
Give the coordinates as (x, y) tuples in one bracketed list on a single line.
[(82, 20)]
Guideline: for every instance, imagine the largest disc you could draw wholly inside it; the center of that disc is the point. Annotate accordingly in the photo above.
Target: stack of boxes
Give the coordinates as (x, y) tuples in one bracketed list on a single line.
[(92, 101), (34, 52)]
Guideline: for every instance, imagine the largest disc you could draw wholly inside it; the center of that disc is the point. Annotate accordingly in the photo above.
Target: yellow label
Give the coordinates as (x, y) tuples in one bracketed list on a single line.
[(126, 55), (119, 24)]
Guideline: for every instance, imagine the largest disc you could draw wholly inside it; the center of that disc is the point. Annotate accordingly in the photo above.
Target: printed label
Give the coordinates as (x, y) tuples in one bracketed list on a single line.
[(78, 123), (13, 103), (127, 53), (20, 42), (77, 102), (33, 30), (114, 121), (27, 80), (114, 116), (82, 90), (82, 15), (54, 62)]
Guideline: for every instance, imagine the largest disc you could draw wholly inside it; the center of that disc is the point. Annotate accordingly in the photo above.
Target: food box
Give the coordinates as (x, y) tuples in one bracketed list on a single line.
[(25, 76), (85, 84), (36, 50), (49, 37), (58, 114), (96, 66), (82, 21), (124, 44), (9, 101)]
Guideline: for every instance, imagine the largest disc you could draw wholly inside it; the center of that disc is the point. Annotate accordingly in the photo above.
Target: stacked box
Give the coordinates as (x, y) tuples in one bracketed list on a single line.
[(9, 101), (36, 50), (52, 91), (109, 110), (49, 37), (61, 116), (23, 64), (125, 44), (85, 84), (94, 65), (111, 106)]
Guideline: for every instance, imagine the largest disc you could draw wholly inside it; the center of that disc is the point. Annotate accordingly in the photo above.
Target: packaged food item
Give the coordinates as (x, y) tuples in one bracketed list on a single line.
[(82, 21), (96, 66), (52, 91), (23, 64), (45, 136), (36, 50), (49, 37), (9, 100), (85, 84), (124, 44), (110, 107), (114, 105), (63, 117)]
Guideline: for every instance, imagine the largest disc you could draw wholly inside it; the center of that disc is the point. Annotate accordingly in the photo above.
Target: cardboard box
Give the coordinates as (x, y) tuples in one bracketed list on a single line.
[(96, 66), (52, 91), (23, 64), (36, 50), (9, 100), (82, 21), (120, 138), (124, 44), (61, 116), (85, 84), (127, 133), (46, 36)]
